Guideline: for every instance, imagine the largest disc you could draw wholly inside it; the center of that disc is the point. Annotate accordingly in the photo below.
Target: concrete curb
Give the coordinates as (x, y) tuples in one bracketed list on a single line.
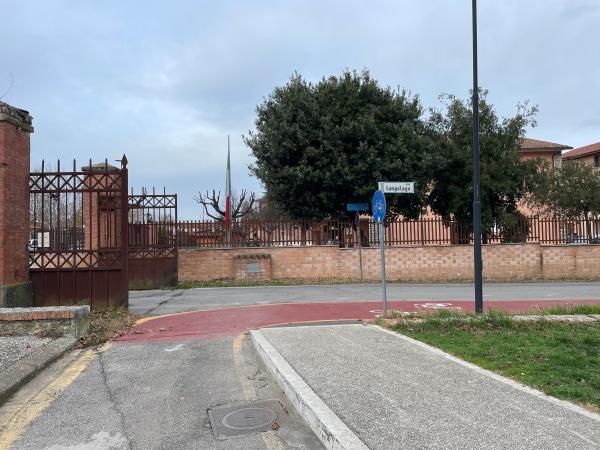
[(328, 427), (27, 368)]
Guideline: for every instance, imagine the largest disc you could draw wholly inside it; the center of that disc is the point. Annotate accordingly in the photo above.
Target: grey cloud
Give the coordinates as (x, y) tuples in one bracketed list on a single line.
[(166, 84)]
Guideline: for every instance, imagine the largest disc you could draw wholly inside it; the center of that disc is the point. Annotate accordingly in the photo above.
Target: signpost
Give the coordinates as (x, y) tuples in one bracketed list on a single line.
[(397, 187), (357, 207), (378, 205)]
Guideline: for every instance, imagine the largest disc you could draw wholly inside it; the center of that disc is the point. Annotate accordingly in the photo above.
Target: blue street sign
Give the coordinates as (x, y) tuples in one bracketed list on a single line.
[(357, 207), (378, 206)]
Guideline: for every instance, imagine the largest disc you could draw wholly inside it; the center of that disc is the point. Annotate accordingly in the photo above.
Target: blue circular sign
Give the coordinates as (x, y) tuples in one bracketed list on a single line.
[(378, 206)]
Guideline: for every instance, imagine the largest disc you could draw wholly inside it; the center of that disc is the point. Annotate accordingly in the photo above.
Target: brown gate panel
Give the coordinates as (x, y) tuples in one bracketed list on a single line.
[(78, 245), (153, 273), (152, 240)]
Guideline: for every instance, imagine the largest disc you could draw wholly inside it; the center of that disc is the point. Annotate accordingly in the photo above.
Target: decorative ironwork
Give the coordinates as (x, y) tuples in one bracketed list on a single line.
[(152, 219), (552, 230), (78, 244)]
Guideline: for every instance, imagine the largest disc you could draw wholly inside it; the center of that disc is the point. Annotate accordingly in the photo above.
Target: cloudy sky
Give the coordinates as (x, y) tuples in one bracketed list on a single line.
[(164, 82)]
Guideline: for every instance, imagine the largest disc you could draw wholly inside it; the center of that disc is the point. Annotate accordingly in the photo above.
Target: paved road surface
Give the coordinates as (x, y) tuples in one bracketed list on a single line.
[(152, 389), (147, 395), (171, 301), (235, 320)]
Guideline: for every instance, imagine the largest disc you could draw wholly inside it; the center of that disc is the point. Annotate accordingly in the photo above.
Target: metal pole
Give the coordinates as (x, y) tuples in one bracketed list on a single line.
[(476, 182), (383, 288), (359, 244)]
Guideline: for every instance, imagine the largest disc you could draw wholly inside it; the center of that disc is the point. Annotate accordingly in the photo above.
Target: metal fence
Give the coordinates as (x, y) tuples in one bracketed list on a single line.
[(347, 233), (78, 234)]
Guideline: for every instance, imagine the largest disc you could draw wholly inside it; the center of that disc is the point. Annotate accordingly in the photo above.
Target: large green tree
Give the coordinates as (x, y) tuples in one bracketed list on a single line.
[(571, 191), (504, 174), (320, 146)]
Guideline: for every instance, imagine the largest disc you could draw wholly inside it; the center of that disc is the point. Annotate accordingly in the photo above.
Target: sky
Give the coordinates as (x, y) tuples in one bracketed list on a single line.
[(165, 82)]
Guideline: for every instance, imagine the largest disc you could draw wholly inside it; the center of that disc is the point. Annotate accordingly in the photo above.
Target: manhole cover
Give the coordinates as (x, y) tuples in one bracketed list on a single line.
[(247, 418)]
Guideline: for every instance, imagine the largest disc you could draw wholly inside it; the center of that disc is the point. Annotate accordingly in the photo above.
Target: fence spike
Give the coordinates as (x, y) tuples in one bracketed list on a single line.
[(58, 165)]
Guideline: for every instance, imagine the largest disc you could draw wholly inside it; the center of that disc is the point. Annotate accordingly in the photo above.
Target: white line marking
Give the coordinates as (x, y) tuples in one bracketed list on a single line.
[(174, 349)]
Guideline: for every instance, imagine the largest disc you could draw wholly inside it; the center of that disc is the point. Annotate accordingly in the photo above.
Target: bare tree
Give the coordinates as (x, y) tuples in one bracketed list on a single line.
[(241, 205)]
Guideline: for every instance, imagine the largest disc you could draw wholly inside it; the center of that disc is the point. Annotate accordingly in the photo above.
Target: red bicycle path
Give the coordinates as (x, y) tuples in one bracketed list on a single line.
[(231, 321)]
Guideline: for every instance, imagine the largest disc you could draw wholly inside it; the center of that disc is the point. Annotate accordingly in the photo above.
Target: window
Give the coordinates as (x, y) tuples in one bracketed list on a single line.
[(557, 161), (597, 160)]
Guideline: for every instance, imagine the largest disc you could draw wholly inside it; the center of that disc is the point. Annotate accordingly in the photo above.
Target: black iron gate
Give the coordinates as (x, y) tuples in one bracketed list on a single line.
[(152, 240), (78, 235)]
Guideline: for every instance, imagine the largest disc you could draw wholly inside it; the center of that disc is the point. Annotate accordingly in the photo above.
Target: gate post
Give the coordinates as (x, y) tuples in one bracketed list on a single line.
[(125, 231), (15, 128)]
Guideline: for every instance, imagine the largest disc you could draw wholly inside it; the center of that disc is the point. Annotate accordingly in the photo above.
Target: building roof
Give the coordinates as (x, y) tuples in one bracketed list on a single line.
[(583, 151), (535, 145)]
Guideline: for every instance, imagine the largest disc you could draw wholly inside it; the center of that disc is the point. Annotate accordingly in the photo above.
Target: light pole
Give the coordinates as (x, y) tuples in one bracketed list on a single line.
[(476, 182)]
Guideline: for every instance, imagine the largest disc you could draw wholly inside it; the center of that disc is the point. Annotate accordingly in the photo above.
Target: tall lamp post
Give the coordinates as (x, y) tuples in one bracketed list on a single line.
[(476, 182)]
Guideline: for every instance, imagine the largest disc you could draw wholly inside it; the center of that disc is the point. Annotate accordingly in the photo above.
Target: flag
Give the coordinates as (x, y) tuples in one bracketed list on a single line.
[(228, 189)]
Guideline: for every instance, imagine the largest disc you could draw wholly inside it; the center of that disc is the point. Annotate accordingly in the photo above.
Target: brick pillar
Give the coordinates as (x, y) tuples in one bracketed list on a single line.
[(15, 127), (101, 221)]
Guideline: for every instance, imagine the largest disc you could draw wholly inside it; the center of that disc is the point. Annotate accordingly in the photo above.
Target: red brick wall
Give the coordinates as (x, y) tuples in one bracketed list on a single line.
[(426, 264), (14, 203)]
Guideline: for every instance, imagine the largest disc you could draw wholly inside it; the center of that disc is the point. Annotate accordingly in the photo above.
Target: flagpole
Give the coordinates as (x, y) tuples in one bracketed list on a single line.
[(228, 194)]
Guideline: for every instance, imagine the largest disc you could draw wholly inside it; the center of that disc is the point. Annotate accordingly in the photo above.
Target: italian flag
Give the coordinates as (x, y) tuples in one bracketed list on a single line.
[(228, 189)]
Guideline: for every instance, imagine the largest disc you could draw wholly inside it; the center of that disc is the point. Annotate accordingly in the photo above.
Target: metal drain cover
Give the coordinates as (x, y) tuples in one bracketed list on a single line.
[(246, 418)]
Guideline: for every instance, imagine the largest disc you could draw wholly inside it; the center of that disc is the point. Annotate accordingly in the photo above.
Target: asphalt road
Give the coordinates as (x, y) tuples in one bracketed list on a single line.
[(152, 395), (159, 302)]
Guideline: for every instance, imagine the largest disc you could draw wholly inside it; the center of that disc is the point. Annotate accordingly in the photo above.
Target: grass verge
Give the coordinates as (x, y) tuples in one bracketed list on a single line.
[(560, 359), (106, 324), (572, 309), (246, 283)]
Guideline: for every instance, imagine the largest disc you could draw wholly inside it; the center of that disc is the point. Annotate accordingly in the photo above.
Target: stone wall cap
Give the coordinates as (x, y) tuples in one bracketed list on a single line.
[(99, 167), (16, 116), (80, 309), (253, 256)]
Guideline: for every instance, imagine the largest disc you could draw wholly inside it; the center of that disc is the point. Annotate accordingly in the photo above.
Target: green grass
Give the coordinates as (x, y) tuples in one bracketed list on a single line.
[(572, 309), (561, 359), (245, 283)]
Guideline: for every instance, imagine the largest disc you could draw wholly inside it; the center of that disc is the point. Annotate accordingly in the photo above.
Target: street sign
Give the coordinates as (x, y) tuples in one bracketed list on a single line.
[(357, 207), (378, 206), (397, 187)]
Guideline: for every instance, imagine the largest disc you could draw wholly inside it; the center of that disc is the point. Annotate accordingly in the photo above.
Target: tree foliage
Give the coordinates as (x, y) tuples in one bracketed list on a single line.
[(504, 174), (321, 146), (571, 191)]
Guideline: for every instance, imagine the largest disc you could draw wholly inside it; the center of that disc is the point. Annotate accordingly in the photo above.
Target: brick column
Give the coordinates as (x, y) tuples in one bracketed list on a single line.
[(15, 127)]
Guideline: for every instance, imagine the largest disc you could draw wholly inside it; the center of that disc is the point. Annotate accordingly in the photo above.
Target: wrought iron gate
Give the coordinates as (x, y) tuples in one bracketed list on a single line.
[(78, 246), (152, 240)]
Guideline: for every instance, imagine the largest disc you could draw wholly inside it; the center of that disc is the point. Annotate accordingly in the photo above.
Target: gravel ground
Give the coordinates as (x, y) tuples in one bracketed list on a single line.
[(14, 348)]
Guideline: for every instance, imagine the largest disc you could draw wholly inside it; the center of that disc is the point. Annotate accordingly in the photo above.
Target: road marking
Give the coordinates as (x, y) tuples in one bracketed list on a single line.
[(436, 306), (16, 425), (174, 349), (271, 441)]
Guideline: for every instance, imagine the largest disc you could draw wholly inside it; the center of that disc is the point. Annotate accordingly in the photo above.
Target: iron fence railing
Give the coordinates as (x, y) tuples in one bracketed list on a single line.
[(347, 233)]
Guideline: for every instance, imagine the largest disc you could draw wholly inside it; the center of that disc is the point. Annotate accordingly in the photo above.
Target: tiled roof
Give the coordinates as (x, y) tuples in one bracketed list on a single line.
[(537, 145), (583, 151)]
